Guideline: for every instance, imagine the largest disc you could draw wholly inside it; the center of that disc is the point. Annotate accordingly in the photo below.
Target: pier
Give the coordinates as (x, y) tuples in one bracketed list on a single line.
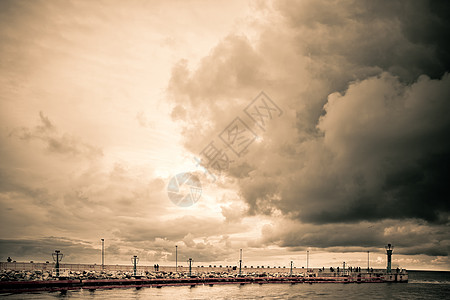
[(90, 284), (23, 277), (91, 280)]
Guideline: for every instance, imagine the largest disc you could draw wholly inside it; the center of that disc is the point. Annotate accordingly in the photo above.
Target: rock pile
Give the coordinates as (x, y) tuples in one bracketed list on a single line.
[(11, 275), (38, 275)]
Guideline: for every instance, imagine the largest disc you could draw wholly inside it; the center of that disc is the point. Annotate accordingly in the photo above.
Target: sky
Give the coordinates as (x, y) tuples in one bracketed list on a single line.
[(317, 126)]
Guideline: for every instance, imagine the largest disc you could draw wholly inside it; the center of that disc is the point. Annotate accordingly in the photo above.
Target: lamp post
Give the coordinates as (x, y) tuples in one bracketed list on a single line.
[(240, 262), (368, 261), (57, 257), (103, 254), (291, 268), (176, 258), (190, 266), (307, 260), (134, 260)]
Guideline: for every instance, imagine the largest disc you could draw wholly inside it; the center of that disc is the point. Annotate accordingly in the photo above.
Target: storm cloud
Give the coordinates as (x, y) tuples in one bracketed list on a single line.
[(365, 91), (102, 105)]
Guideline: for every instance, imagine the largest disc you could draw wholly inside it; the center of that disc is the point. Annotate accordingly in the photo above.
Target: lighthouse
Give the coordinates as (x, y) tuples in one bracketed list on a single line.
[(389, 248)]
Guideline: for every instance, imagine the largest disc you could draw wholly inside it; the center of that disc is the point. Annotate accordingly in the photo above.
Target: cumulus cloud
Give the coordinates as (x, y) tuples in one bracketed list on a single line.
[(383, 154), (363, 137)]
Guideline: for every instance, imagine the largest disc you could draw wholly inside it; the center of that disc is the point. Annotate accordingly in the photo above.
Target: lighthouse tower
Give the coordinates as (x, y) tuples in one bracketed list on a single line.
[(389, 248)]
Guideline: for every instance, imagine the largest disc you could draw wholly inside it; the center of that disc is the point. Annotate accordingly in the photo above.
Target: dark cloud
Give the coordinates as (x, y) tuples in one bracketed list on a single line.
[(385, 151), (364, 88), (41, 249), (225, 78), (427, 23), (409, 237), (403, 37)]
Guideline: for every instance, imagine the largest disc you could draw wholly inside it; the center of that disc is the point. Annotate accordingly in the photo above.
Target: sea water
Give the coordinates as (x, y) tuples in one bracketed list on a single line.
[(421, 285)]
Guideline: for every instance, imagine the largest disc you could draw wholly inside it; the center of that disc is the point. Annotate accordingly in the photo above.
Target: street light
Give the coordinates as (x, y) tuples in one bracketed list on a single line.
[(176, 258), (134, 260), (291, 267), (57, 256), (240, 263), (307, 260), (190, 266), (103, 254)]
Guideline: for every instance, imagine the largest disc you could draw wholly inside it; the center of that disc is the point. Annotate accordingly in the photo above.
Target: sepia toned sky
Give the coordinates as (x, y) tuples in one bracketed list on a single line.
[(103, 102)]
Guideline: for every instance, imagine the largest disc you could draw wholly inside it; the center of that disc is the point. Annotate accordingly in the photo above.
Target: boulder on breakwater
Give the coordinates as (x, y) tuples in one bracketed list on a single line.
[(42, 275)]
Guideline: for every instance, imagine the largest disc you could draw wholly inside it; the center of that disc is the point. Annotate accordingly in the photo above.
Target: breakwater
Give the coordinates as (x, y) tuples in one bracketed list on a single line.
[(93, 284), (39, 280), (19, 277)]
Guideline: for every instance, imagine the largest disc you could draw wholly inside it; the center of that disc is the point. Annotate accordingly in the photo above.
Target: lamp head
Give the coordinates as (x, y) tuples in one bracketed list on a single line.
[(57, 255)]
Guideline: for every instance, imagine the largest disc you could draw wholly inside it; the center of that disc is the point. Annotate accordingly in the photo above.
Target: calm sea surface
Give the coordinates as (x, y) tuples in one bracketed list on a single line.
[(421, 285)]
